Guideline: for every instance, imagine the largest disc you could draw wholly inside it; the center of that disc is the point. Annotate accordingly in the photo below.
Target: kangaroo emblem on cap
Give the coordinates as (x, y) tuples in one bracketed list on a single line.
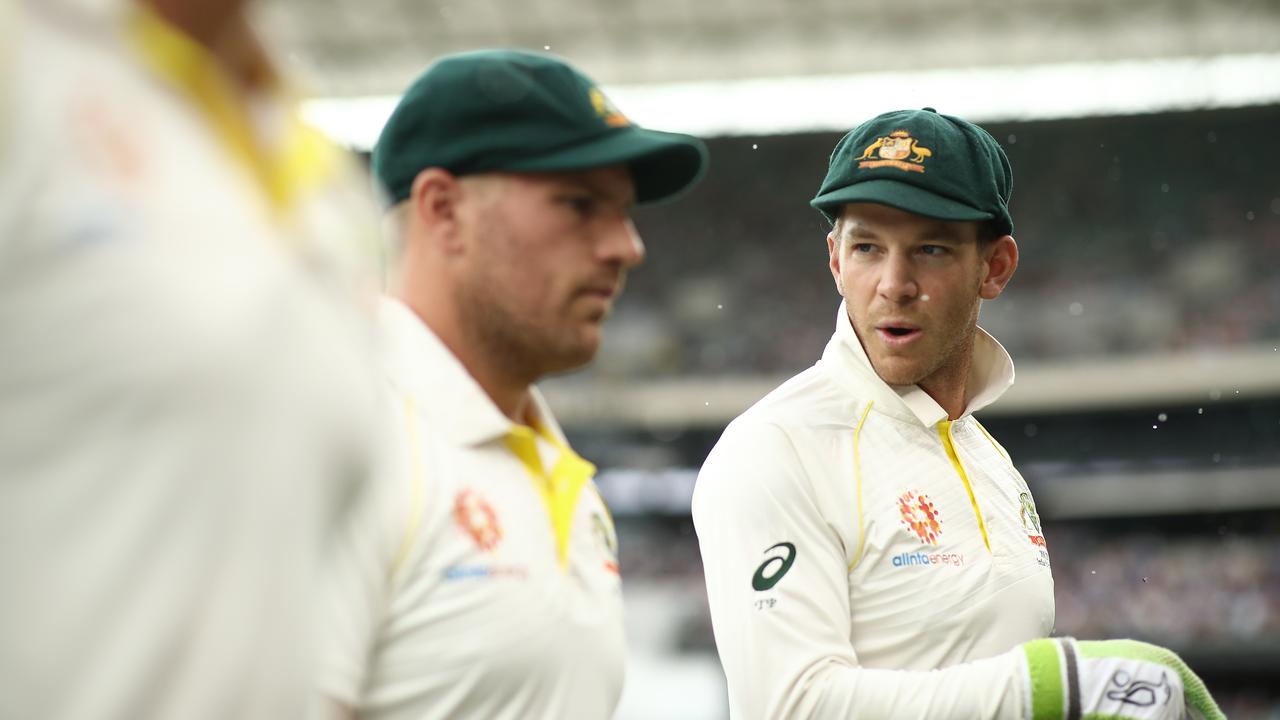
[(894, 150), (607, 110)]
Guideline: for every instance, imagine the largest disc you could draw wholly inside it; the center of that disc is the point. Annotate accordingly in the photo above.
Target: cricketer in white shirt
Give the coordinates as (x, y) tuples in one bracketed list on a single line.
[(850, 530), (860, 530), (492, 588), (186, 390), (870, 551)]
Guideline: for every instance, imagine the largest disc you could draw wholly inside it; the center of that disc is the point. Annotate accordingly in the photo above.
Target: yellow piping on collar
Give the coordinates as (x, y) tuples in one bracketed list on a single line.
[(560, 489), (944, 431), (300, 158)]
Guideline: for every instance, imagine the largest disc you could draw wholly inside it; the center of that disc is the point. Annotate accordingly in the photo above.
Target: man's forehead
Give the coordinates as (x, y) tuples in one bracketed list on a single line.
[(866, 219), (611, 182)]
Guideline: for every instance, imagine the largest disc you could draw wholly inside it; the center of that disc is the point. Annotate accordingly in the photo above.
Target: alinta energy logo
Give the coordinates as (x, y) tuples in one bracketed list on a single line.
[(915, 559), (920, 516), (476, 517)]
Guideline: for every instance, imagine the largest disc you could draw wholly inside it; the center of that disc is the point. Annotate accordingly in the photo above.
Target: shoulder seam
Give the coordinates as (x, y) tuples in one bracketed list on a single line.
[(417, 501), (860, 521)]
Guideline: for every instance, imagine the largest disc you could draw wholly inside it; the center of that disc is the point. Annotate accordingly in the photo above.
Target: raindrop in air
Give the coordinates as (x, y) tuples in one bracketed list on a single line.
[(1249, 216), (1075, 309), (754, 146), (1164, 187), (1162, 417)]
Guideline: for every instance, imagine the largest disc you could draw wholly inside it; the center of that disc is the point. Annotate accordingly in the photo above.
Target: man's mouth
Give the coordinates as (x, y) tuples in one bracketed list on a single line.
[(601, 293), (898, 333)]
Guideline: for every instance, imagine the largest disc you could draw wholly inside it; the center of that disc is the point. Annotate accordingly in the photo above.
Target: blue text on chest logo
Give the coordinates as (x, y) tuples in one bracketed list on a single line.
[(914, 559), (484, 572)]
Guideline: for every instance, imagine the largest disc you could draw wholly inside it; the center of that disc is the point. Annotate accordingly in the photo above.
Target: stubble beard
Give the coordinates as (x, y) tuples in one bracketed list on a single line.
[(519, 346), (955, 358), (952, 357)]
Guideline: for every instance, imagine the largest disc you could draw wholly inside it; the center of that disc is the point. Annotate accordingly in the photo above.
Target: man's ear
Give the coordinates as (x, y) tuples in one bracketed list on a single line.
[(833, 261), (435, 202), (1000, 260)]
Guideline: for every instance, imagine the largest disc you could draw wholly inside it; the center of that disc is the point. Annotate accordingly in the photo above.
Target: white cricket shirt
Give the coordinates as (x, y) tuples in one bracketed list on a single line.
[(491, 589), (186, 385), (853, 538)]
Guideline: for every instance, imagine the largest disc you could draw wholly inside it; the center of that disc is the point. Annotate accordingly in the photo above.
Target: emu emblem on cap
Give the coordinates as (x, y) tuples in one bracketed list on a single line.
[(612, 116), (894, 150)]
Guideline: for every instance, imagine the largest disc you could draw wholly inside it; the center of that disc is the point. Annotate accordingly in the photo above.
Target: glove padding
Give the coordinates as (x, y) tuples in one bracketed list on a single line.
[(1113, 679)]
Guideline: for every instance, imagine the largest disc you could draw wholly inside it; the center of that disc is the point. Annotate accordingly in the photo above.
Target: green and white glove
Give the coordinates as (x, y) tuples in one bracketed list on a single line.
[(1112, 680)]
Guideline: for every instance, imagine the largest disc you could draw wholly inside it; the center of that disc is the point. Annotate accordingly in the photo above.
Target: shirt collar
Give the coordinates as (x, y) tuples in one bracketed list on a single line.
[(990, 375), (419, 362)]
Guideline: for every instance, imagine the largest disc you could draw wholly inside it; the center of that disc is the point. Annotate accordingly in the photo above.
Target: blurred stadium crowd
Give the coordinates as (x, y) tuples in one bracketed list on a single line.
[(1180, 590), (1138, 235)]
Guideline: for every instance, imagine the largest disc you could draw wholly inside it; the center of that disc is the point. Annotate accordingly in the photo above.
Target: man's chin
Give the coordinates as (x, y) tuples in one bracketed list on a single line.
[(897, 373), (576, 355)]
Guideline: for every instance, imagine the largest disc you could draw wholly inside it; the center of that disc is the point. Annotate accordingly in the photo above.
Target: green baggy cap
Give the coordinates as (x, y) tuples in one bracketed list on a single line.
[(922, 162), (496, 110)]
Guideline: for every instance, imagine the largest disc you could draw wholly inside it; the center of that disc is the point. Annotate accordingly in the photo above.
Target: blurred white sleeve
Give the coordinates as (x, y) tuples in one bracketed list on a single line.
[(358, 579), (9, 28), (782, 626)]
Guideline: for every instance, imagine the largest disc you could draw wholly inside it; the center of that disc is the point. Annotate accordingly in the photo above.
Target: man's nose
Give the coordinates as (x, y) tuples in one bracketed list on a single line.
[(621, 243), (897, 279)]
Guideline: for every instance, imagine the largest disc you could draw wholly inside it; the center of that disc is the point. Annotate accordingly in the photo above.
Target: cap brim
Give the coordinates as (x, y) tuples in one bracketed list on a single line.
[(900, 195), (662, 164)]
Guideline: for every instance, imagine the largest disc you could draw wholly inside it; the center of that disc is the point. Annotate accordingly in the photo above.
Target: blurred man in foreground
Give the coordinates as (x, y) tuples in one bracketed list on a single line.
[(186, 408), (493, 589), (870, 551)]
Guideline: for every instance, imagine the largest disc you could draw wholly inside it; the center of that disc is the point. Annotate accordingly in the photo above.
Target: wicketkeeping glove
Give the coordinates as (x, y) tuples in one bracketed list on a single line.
[(1113, 679)]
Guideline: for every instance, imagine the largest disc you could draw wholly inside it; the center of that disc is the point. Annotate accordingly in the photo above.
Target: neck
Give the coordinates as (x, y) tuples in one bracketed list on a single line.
[(509, 390), (222, 29), (949, 385), (953, 398), (204, 22)]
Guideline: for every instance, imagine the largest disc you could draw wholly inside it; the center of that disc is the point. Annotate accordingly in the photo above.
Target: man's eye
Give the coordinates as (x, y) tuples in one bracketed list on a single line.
[(581, 204), (863, 247), (933, 250)]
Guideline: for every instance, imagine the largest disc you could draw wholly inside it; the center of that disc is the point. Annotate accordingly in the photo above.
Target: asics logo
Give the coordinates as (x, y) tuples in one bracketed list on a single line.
[(772, 570)]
